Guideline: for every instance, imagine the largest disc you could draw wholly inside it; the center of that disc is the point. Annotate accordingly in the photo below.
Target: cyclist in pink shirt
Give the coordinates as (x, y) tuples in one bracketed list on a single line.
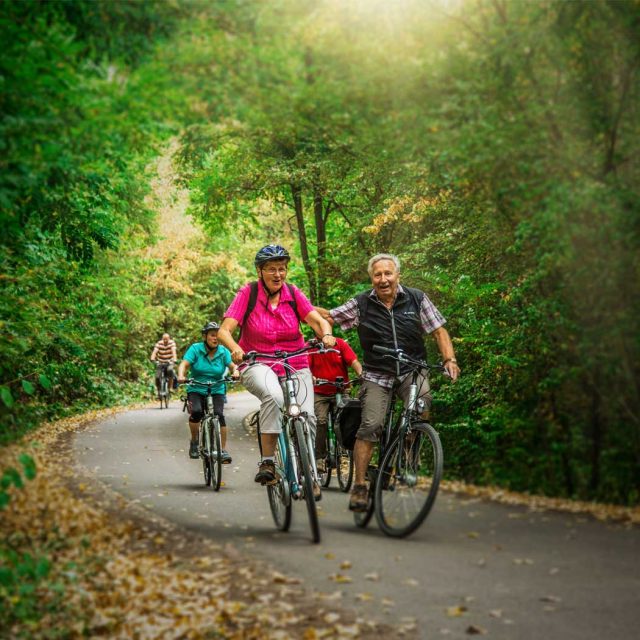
[(269, 313)]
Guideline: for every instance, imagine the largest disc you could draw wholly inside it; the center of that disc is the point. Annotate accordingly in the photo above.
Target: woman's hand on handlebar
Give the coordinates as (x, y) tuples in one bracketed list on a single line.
[(329, 340)]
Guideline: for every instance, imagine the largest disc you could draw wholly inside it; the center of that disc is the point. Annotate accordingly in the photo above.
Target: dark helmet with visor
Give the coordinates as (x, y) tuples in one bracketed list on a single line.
[(210, 326), (271, 252)]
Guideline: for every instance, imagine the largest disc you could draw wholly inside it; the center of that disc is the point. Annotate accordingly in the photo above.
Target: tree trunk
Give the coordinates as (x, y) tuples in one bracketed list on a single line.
[(296, 194), (596, 443), (321, 239)]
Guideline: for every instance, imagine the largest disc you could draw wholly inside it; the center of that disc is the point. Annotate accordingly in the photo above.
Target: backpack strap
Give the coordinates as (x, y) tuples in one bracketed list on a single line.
[(251, 305), (253, 298)]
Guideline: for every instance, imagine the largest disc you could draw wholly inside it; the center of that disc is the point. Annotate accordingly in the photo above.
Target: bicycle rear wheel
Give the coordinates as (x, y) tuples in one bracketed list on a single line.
[(329, 459), (279, 495), (344, 467), (307, 479), (216, 454), (407, 485)]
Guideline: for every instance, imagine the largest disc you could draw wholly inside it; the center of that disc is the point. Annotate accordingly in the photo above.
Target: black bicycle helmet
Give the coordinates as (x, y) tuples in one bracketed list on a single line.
[(271, 252), (210, 326)]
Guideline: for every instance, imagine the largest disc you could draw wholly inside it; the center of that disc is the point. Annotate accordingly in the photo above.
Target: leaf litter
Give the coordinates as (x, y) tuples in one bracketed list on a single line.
[(125, 572)]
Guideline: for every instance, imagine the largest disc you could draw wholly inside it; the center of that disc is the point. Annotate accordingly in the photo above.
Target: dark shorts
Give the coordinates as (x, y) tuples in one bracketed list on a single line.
[(198, 403)]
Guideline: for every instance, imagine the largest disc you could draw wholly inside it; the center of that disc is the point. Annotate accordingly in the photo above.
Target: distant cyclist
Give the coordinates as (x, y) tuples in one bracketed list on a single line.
[(269, 312), (164, 355), (329, 366), (208, 361)]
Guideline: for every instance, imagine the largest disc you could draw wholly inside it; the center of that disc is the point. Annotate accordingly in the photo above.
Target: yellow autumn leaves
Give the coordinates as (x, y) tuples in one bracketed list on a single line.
[(407, 209)]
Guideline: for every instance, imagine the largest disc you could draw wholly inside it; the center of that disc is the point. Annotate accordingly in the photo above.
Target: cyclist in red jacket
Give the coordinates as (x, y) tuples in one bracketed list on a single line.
[(329, 366)]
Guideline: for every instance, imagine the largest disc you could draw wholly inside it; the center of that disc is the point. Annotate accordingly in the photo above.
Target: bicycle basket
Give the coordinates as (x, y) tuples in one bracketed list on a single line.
[(348, 422)]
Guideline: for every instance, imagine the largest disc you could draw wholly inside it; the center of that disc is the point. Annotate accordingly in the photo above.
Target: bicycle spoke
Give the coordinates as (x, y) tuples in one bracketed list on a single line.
[(306, 461), (279, 500)]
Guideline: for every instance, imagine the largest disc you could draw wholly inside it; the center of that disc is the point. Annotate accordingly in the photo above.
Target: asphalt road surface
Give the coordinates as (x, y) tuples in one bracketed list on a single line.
[(473, 566)]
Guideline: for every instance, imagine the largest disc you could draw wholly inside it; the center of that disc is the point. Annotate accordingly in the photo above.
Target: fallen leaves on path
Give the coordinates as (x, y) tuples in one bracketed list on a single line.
[(119, 571), (603, 512)]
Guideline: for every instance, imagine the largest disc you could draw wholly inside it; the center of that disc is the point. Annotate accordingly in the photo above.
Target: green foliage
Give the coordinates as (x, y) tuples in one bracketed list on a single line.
[(77, 136), (493, 149), (490, 145), (13, 477)]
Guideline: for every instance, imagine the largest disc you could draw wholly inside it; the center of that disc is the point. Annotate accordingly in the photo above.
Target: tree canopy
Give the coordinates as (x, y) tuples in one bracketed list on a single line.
[(491, 145)]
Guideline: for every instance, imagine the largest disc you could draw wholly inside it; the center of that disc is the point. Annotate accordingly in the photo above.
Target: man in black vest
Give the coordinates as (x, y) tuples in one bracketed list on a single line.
[(396, 317)]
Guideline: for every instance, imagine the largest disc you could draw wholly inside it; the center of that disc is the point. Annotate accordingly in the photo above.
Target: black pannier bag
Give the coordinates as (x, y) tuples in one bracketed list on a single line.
[(348, 422)]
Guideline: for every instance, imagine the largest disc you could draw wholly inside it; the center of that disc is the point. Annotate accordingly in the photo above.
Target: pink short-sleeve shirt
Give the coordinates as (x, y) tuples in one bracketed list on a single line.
[(269, 330)]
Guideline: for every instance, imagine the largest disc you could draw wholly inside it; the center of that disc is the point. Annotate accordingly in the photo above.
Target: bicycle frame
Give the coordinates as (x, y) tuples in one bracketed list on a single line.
[(396, 472), (295, 448)]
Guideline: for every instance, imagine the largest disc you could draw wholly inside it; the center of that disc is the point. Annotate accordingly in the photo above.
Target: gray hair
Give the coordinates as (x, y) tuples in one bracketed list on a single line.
[(383, 256)]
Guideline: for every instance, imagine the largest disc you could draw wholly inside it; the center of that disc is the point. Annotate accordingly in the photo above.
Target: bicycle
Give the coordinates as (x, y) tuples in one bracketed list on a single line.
[(209, 437), (338, 457), (294, 453), (404, 483), (164, 391)]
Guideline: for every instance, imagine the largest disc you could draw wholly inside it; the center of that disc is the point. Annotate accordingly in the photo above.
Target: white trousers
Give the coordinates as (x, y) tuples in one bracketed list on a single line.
[(262, 382)]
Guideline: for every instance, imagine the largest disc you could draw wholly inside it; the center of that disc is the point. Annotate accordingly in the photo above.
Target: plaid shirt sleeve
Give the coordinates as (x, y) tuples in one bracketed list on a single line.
[(346, 316), (430, 317)]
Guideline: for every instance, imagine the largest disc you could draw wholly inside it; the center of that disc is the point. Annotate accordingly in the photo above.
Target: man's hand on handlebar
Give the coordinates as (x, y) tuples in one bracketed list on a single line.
[(452, 369)]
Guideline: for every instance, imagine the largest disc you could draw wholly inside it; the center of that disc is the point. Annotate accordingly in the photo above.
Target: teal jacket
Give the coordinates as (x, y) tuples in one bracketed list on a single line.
[(205, 368)]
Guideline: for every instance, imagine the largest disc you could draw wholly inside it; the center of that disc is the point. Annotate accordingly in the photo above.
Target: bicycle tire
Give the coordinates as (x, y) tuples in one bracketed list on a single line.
[(328, 462), (216, 454), (279, 495), (167, 395), (205, 452), (307, 478), (407, 485), (344, 467)]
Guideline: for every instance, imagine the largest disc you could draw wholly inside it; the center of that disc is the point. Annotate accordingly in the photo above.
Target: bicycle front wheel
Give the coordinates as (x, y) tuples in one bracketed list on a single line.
[(205, 451), (408, 480), (279, 496), (216, 454), (307, 479)]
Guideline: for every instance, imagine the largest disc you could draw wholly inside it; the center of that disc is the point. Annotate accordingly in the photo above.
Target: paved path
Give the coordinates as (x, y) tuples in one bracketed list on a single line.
[(473, 565)]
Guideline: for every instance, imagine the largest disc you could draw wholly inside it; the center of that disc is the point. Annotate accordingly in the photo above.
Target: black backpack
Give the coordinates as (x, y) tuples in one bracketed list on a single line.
[(253, 298)]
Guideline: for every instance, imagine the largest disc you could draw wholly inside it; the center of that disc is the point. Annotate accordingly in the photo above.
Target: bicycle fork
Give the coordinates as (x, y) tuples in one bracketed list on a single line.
[(292, 463)]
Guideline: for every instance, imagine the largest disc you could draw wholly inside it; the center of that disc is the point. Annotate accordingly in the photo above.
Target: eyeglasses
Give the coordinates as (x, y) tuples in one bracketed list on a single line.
[(273, 270)]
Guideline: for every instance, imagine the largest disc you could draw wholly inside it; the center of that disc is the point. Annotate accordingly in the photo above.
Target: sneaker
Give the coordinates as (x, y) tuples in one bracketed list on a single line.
[(321, 465), (194, 449), (266, 473), (359, 500), (317, 492), (226, 458)]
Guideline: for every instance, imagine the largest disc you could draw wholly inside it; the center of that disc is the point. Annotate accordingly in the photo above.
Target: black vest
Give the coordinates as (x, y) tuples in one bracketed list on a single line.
[(395, 328)]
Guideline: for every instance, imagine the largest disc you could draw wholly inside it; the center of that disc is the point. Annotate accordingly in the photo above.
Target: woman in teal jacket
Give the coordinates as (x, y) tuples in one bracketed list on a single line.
[(208, 361)]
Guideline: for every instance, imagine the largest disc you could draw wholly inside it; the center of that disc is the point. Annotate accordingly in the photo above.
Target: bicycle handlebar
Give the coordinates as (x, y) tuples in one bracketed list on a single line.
[(286, 355), (340, 383), (211, 383), (401, 356)]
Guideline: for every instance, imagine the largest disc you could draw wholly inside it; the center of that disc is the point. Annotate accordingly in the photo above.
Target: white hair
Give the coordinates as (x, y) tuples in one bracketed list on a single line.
[(383, 256)]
